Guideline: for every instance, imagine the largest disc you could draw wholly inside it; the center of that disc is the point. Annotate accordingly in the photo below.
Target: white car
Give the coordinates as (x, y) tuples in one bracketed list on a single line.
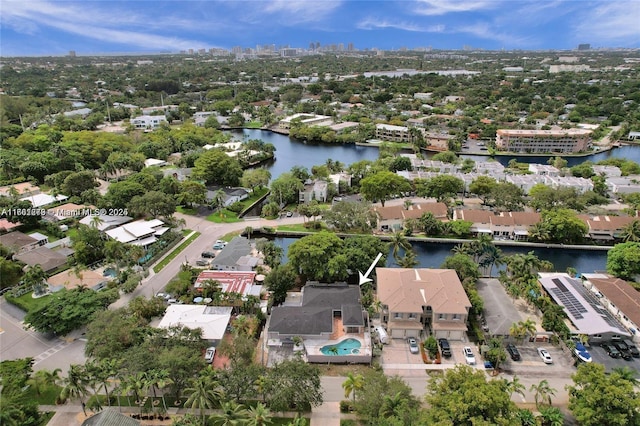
[(209, 354), (413, 345), (544, 354), (468, 355)]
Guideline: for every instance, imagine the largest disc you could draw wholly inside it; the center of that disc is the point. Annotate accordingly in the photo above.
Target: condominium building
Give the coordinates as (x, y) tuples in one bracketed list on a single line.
[(391, 133), (543, 141)]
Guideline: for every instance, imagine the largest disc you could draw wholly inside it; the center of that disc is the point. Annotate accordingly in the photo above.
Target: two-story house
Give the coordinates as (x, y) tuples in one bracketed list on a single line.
[(392, 218), (314, 190), (423, 301)]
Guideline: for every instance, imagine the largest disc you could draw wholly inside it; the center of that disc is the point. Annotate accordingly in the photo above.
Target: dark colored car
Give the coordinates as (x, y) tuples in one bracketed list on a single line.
[(611, 350), (445, 347), (208, 254), (633, 349), (623, 348), (513, 352)]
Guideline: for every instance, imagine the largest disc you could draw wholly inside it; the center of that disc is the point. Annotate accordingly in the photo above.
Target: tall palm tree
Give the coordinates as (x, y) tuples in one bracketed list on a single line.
[(542, 393), (232, 414), (490, 257), (409, 260), (391, 404), (75, 385), (354, 383), (627, 374), (42, 378), (298, 421), (160, 381), (203, 393), (399, 241), (259, 415), (516, 330), (529, 327), (515, 386), (631, 232)]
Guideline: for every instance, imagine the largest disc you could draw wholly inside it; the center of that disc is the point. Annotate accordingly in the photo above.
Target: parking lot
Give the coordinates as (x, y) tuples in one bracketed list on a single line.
[(531, 365), (600, 356)]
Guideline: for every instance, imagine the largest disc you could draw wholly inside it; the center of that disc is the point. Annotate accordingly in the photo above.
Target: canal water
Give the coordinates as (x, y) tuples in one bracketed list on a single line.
[(432, 255), (291, 152)]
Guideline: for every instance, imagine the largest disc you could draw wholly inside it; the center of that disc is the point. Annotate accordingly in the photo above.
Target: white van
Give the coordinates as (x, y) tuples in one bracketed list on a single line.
[(382, 335)]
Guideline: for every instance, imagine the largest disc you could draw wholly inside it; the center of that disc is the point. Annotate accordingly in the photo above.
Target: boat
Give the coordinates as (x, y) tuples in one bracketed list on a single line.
[(582, 353)]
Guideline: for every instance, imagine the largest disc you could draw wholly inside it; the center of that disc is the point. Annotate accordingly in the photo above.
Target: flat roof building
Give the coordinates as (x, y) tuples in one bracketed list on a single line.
[(543, 141)]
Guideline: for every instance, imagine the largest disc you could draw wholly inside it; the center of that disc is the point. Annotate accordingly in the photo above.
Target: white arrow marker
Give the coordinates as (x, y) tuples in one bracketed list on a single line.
[(364, 278)]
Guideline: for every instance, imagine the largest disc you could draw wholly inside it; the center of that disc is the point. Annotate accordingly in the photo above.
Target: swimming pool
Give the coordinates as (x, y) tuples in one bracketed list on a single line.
[(110, 272), (345, 347)]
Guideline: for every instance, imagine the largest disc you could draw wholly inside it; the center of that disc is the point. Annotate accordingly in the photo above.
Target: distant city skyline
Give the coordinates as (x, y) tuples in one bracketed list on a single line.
[(56, 27)]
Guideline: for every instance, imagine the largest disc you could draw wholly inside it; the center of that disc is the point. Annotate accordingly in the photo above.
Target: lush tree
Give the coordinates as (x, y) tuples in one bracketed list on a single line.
[(293, 385), (383, 186), (563, 226), (152, 203), (67, 310), (319, 257), (255, 178), (231, 414), (285, 189), (203, 393), (192, 192), (506, 197), (441, 187), (76, 183), (352, 384), (18, 406), (408, 260), (496, 355), (120, 193), (271, 251), (542, 393), (631, 232), (543, 197), (597, 398), (362, 250), (346, 216), (259, 415), (279, 281), (464, 266), (238, 381), (216, 167), (399, 243), (88, 244), (584, 170), (463, 396), (482, 186), (446, 157), (623, 260)]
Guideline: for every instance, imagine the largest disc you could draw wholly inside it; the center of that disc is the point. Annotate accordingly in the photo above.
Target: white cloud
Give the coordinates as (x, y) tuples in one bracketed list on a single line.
[(294, 12), (374, 24), (489, 32), (440, 7), (610, 22)]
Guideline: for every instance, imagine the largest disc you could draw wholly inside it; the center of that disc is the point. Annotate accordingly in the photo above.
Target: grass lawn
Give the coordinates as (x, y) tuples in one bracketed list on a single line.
[(164, 262), (223, 216), (186, 232), (26, 302), (186, 210), (72, 232), (47, 396), (253, 125), (52, 238)]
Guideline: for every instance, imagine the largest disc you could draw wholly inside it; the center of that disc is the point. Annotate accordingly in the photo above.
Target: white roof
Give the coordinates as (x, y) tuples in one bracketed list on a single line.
[(104, 221), (135, 230), (213, 320), (154, 162), (39, 200)]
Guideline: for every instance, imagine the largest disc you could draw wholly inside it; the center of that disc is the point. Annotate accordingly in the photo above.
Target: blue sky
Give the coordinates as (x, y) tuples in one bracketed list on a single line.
[(53, 27)]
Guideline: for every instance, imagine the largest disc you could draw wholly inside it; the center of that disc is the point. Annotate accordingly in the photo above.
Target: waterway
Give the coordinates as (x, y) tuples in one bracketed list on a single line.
[(291, 152), (432, 255)]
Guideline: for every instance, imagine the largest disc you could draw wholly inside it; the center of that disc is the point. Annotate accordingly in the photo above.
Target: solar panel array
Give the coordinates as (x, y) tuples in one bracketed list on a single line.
[(571, 304)]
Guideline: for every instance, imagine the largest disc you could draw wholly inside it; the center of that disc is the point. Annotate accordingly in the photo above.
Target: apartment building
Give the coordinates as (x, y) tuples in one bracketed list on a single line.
[(391, 133), (543, 141)]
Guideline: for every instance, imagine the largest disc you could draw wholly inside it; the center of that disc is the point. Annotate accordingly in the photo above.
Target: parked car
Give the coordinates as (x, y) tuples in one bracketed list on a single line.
[(633, 349), (546, 357), (209, 354), (513, 352), (202, 262), (208, 254), (611, 350), (218, 246), (582, 353), (623, 348), (289, 214), (468, 355), (445, 348), (413, 345)]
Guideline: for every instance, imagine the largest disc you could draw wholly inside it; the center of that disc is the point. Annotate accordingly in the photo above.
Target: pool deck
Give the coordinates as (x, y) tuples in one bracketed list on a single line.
[(313, 348)]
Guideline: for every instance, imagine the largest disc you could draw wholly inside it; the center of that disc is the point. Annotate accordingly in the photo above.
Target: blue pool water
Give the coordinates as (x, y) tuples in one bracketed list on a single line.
[(346, 347), (109, 272)]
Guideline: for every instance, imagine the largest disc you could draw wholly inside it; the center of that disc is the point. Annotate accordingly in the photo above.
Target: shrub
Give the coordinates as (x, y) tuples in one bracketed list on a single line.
[(345, 406)]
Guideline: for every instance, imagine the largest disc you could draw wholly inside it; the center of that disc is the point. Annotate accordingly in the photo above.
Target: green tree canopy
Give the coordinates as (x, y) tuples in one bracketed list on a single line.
[(623, 260), (383, 185), (216, 167), (319, 257)]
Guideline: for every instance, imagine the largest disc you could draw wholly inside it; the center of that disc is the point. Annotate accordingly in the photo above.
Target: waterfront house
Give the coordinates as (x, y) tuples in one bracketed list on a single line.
[(420, 302), (392, 218)]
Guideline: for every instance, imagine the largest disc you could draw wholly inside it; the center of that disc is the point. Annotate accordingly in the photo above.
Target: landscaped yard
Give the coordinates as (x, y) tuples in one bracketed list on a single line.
[(224, 216), (26, 302), (164, 262)]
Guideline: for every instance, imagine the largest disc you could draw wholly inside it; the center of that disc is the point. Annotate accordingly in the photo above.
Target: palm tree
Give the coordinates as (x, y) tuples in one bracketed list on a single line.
[(515, 386), (516, 330), (232, 414), (42, 378), (407, 204), (631, 232), (259, 415), (298, 421), (543, 393), (551, 416), (409, 260), (392, 404), (204, 393), (626, 374), (353, 383), (529, 327), (491, 256), (75, 385), (160, 380), (399, 241)]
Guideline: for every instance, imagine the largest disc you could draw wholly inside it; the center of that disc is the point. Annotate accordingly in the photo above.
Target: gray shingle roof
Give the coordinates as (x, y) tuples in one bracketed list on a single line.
[(110, 417)]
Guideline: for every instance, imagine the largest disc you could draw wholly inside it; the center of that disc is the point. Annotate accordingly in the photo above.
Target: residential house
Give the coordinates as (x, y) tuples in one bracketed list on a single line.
[(180, 174), (241, 282), (18, 242), (544, 170), (151, 162), (238, 255), (607, 171), (525, 182), (69, 211), (212, 320), (624, 184), (104, 222), (584, 310), (582, 185), (618, 297), (503, 225), (20, 189), (392, 218), (314, 190), (417, 302), (200, 117), (43, 200), (141, 233), (306, 120), (110, 417), (480, 220), (148, 122), (341, 127), (437, 141), (606, 228), (48, 259), (229, 195), (343, 177), (6, 226)]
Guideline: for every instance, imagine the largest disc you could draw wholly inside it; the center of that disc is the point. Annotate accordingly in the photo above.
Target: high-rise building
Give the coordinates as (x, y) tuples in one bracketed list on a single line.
[(72, 53), (584, 46), (350, 47)]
